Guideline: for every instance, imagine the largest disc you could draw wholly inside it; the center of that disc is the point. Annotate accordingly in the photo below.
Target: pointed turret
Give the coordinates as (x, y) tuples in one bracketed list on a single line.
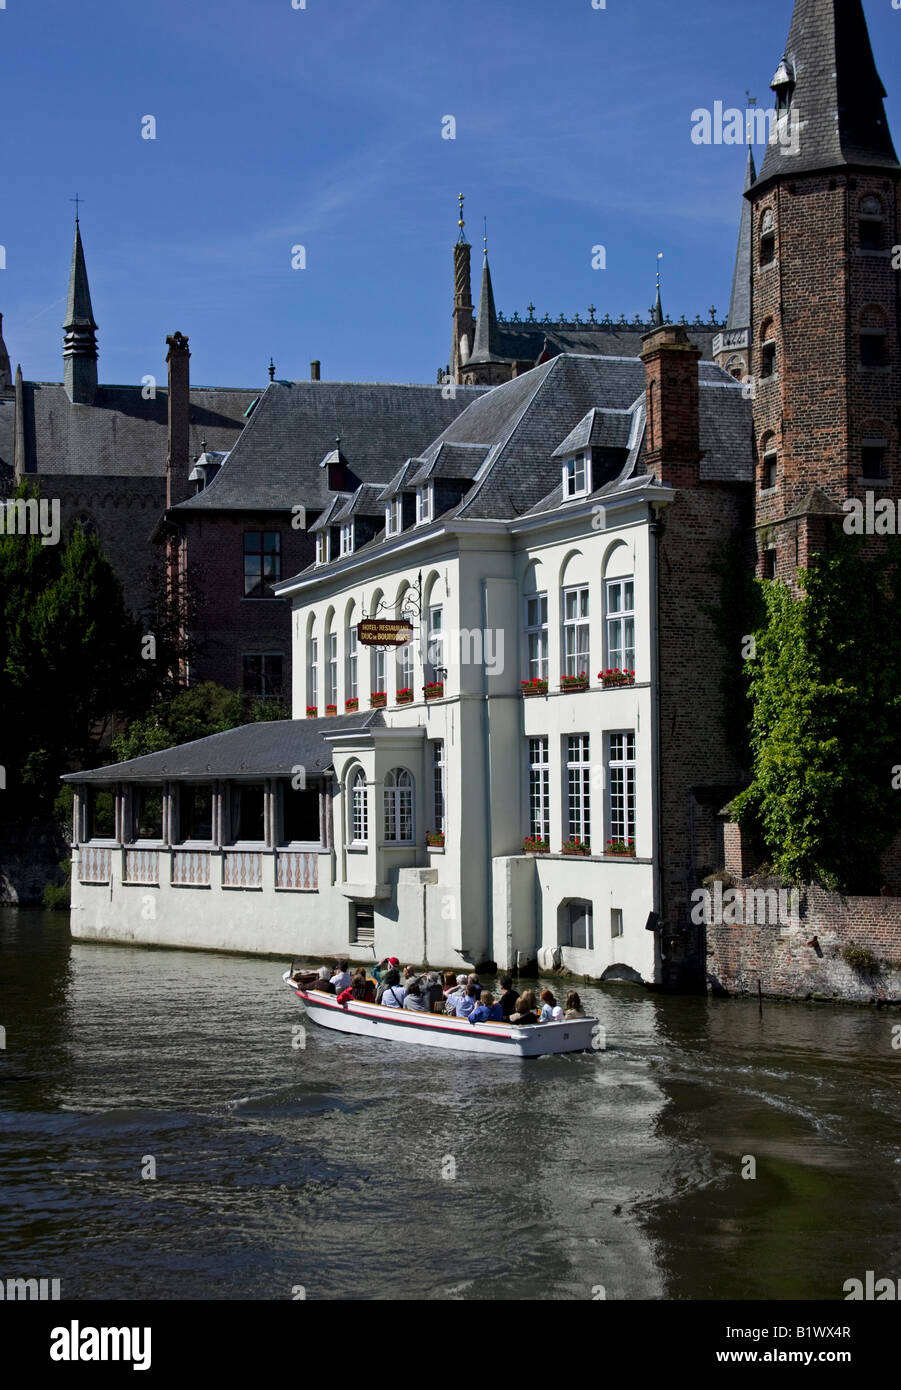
[(740, 303), (828, 83), (487, 332), (6, 380), (461, 348), (80, 340)]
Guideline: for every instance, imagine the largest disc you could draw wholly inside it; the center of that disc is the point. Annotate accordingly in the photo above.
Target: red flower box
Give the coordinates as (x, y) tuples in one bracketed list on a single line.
[(614, 676), (434, 690), (576, 846), (331, 709), (378, 700), (532, 845), (435, 839), (579, 682), (405, 697), (312, 711), (535, 686), (624, 848), (352, 705)]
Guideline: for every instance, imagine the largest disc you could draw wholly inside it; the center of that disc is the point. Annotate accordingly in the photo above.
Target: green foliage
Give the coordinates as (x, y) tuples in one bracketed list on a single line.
[(69, 658), (738, 613), (56, 895), (194, 713), (860, 958), (826, 691)]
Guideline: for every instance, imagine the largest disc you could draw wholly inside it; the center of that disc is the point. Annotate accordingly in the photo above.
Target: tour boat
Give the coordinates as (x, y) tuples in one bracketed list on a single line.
[(439, 1030)]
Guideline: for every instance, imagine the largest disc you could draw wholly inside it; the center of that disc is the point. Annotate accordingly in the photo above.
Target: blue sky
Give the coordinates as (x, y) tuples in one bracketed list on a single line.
[(322, 127)]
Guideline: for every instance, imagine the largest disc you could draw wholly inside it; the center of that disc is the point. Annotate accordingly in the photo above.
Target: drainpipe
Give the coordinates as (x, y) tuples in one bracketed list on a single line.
[(655, 532), (489, 877)]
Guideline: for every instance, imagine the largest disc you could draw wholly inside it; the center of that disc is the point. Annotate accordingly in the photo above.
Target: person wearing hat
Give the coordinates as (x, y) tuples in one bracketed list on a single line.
[(389, 963)]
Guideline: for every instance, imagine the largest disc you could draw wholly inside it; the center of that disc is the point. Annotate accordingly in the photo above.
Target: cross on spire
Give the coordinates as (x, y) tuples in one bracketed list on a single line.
[(76, 200)]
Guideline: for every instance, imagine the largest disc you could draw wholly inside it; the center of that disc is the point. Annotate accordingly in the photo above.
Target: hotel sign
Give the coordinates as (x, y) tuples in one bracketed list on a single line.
[(384, 632)]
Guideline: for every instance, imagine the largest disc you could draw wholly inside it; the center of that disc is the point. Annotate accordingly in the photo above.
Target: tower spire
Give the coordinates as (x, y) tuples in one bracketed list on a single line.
[(740, 302), (80, 331), (6, 380), (828, 84), (461, 347), (658, 303)]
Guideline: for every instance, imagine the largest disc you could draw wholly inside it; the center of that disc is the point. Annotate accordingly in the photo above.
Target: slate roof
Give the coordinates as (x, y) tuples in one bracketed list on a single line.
[(120, 434), (838, 94), (275, 463), (366, 501), (523, 341), (600, 428), (402, 480), (457, 461), (329, 514), (269, 749), (520, 423)]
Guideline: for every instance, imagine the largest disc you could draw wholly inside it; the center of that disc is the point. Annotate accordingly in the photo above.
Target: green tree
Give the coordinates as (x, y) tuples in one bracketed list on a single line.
[(826, 723), (193, 713)]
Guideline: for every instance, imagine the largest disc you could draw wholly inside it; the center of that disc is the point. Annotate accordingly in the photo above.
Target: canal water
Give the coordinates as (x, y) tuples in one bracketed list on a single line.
[(349, 1169)]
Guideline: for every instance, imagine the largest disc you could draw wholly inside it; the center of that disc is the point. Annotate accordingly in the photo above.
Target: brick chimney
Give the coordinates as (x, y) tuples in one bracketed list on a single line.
[(673, 450), (178, 464), (314, 371)]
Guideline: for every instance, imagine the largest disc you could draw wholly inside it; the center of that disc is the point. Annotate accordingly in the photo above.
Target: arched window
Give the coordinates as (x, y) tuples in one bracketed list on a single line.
[(767, 238), (359, 809), (399, 806), (871, 223)]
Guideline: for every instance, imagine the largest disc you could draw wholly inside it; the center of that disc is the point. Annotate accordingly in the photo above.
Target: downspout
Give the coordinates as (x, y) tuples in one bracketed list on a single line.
[(655, 532), (489, 876)]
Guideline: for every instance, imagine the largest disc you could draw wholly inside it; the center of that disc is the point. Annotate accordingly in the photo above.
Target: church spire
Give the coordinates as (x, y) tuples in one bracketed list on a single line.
[(740, 302), (828, 83), (80, 331), (461, 347), (487, 332)]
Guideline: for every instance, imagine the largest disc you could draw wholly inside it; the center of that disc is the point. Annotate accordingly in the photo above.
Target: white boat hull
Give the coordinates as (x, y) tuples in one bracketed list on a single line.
[(453, 1034)]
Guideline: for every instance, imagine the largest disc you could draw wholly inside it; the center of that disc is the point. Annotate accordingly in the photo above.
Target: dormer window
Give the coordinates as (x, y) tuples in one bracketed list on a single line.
[(394, 517), (347, 538), (425, 499), (576, 476), (783, 84), (322, 548)]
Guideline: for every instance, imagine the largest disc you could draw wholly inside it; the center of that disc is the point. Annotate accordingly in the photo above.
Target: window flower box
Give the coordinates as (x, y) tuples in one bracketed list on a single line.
[(352, 705), (331, 709), (435, 839), (576, 846), (405, 696), (433, 690), (535, 686), (615, 676), (378, 700), (624, 848), (312, 711), (532, 845), (579, 682)]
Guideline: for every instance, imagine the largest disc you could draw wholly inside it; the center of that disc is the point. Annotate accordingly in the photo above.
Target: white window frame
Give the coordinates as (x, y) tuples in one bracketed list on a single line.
[(577, 476), (574, 663), (322, 548), (398, 807), (359, 809), (577, 750), (347, 538), (536, 636), (379, 673), (616, 922), (435, 643), (351, 690), (405, 666), (313, 674), (538, 751), (587, 914), (618, 653), (394, 516), (425, 503), (621, 785), (439, 784), (332, 668)]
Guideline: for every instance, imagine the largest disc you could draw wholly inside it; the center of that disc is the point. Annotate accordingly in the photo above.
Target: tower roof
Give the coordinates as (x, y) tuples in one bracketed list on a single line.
[(835, 91), (487, 339), (79, 313), (740, 303), (5, 372)]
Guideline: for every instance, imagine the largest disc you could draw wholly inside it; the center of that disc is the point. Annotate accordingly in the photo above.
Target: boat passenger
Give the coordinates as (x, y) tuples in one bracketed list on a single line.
[(341, 978), (433, 994), (345, 996), (392, 978), (526, 1006), (573, 1006), (458, 990), (508, 998), (395, 993), (463, 1004), (413, 998), (322, 983), (450, 983), (487, 1011), (551, 1011), (389, 963), (363, 989)]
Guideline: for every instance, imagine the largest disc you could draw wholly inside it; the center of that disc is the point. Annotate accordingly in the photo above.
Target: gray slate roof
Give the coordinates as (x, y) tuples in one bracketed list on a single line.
[(600, 428), (740, 303), (275, 463), (273, 749), (121, 434), (838, 93), (523, 341), (366, 501), (453, 461)]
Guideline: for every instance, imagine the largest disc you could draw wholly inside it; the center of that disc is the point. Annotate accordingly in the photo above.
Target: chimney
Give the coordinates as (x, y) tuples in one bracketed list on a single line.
[(314, 371), (673, 450), (178, 463)]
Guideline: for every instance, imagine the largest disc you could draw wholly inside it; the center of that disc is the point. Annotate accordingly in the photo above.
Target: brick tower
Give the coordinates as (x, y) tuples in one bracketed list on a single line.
[(824, 325)]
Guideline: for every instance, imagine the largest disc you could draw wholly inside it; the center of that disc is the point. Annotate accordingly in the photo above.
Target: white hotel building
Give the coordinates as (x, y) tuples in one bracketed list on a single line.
[(420, 803)]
